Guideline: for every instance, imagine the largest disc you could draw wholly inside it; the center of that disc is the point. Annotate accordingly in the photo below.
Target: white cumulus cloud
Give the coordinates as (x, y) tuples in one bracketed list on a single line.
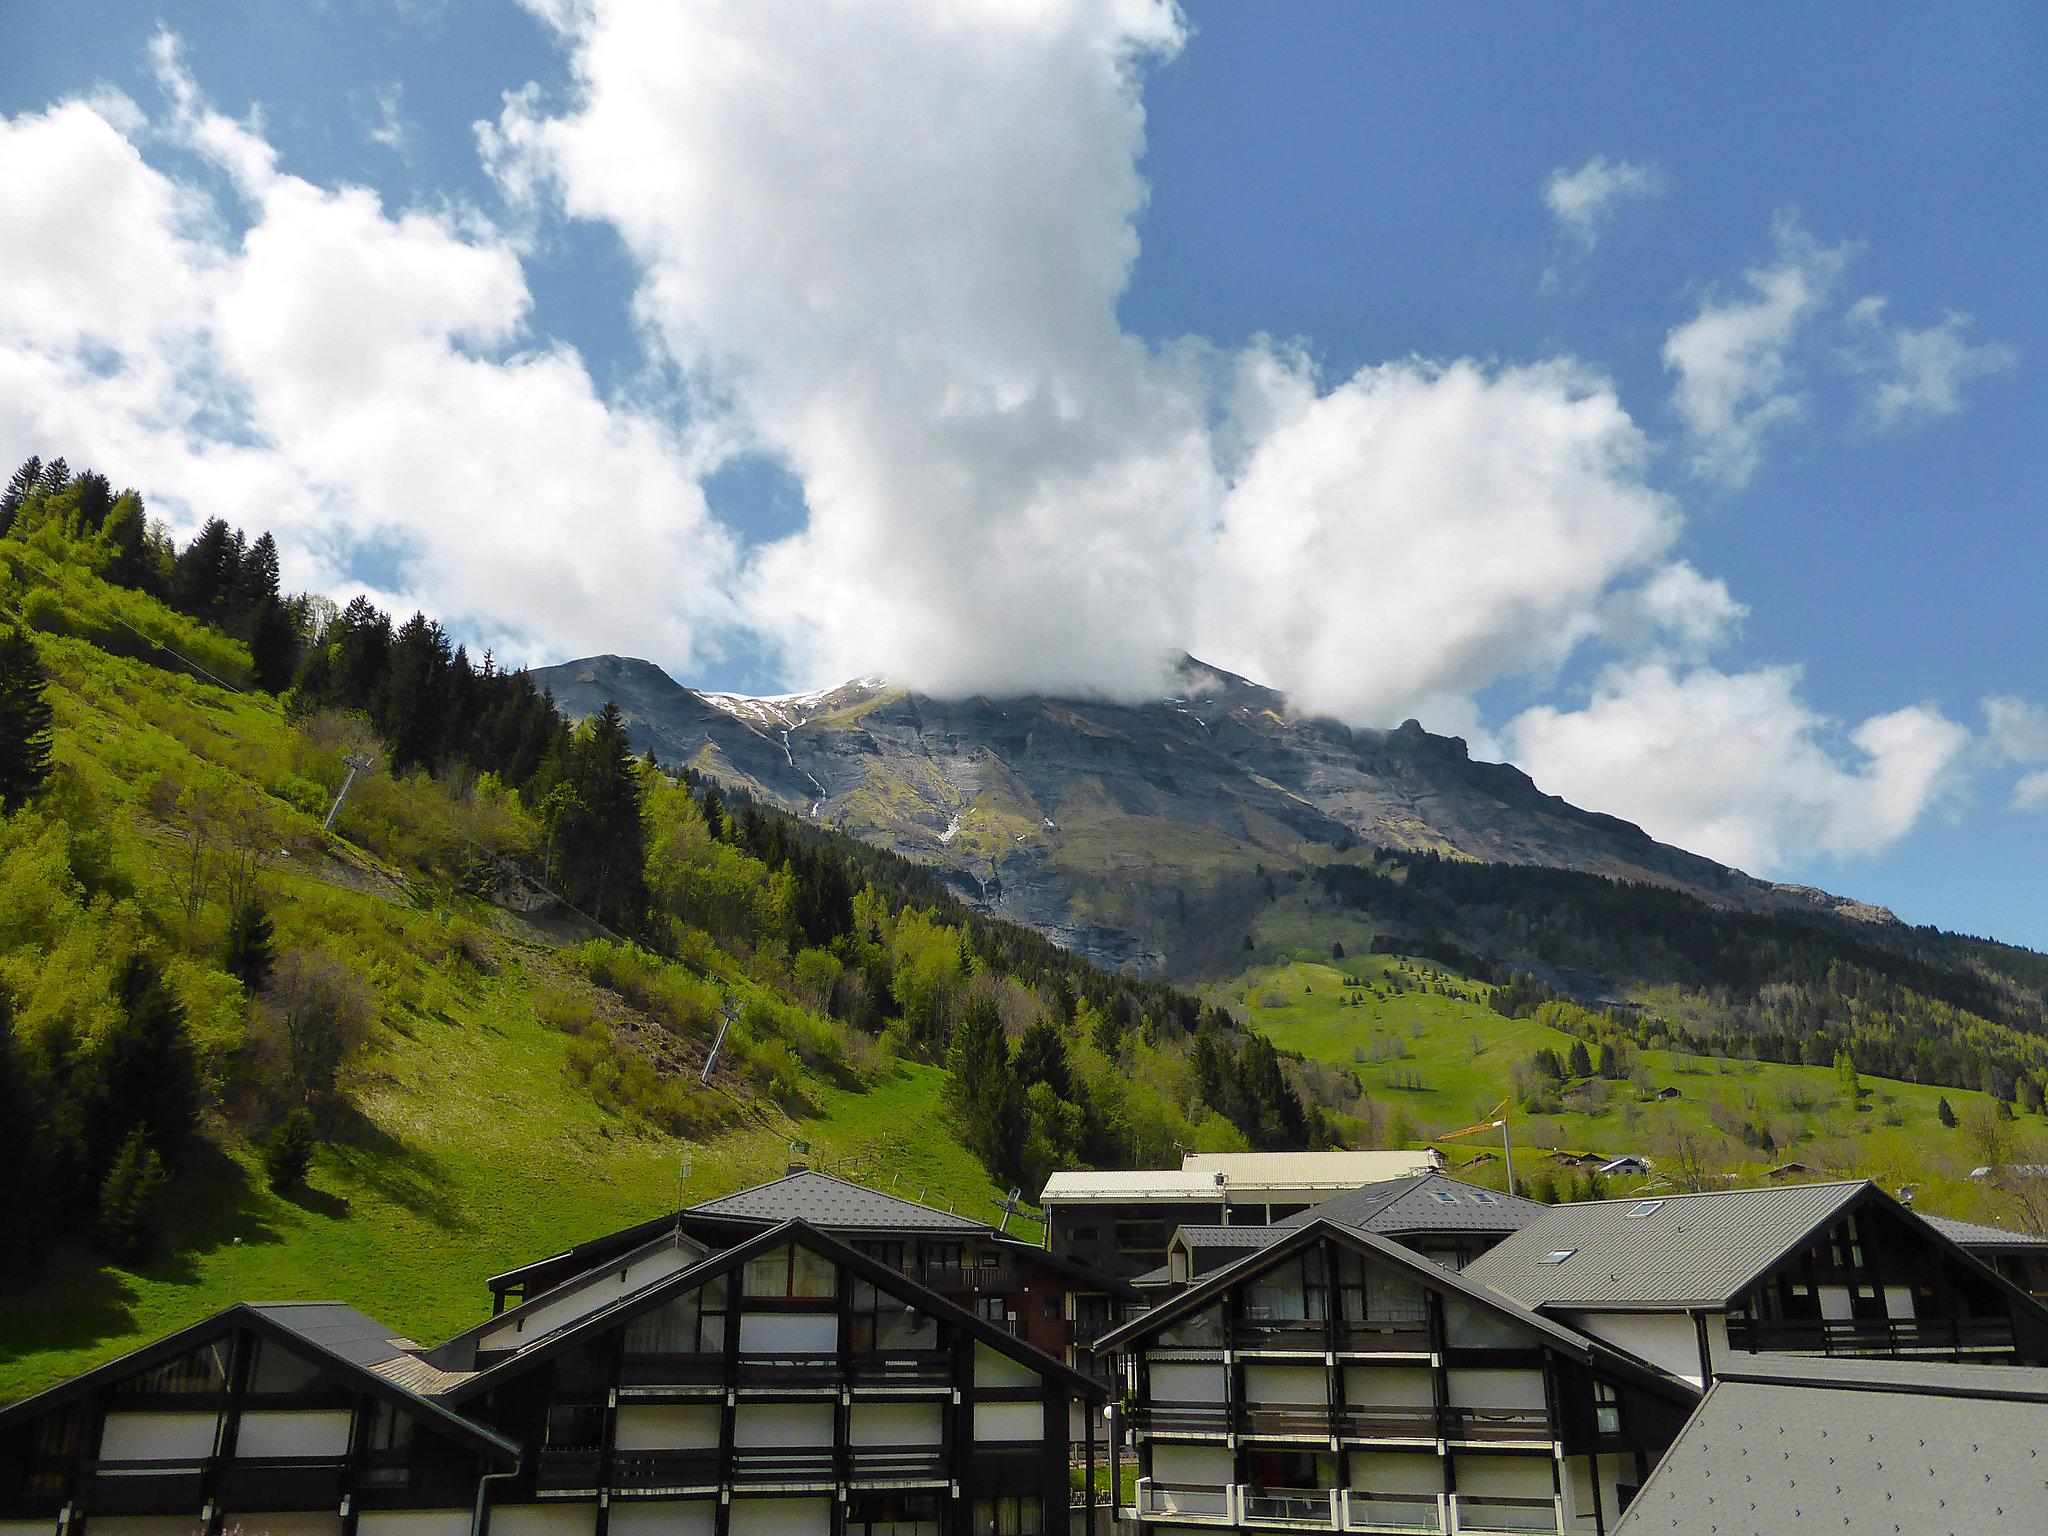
[(1738, 766), (354, 379), (1583, 200), (1736, 381), (1916, 375)]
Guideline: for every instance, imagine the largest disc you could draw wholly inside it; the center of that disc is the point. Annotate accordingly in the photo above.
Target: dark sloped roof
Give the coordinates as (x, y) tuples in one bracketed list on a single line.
[(1975, 1234), (1825, 1444), (339, 1336), (1677, 1250), (1231, 1239), (840, 1204), (1429, 1202), (730, 1259)]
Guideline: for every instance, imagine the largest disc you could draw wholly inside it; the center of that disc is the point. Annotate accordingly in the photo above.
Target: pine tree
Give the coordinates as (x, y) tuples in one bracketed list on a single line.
[(1581, 1062), (247, 954), (56, 475), (1042, 1058), (24, 720), (1944, 1114), (143, 1075), (289, 1151), (20, 487), (131, 1199)]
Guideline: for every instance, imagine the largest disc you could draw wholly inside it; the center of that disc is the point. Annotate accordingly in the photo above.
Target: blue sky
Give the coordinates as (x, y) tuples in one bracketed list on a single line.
[(1364, 184)]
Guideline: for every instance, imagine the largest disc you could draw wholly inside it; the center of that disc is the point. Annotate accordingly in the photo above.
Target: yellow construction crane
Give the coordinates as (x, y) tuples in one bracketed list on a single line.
[(1495, 1121)]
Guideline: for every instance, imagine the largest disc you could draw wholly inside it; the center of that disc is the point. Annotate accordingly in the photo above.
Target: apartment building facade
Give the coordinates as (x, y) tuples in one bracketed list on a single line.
[(1692, 1282), (1333, 1380), (784, 1384)]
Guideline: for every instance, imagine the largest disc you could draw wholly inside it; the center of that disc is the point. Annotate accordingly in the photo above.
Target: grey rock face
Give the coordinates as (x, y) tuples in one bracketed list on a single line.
[(1088, 819)]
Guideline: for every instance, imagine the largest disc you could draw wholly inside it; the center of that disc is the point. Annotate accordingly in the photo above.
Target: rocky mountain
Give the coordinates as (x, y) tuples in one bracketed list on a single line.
[(1129, 830)]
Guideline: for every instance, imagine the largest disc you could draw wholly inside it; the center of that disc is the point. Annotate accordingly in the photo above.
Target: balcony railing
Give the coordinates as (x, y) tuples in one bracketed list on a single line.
[(1361, 1421), (920, 1368), (756, 1465), (672, 1371), (1184, 1418), (1186, 1501), (1922, 1337), (885, 1465), (1086, 1330), (1524, 1424), (563, 1467), (1392, 1512), (143, 1487), (281, 1482), (808, 1371), (1502, 1515), (646, 1471), (1306, 1508), (1285, 1419)]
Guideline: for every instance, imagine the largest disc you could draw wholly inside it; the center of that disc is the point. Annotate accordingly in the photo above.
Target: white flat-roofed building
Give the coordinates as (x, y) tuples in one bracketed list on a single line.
[(1120, 1221)]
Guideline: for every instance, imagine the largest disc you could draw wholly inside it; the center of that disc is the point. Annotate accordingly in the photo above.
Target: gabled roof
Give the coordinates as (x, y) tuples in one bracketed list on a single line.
[(1237, 1239), (1783, 1446), (1430, 1275), (1670, 1251), (1093, 1186), (1428, 1202), (727, 1260), (338, 1337), (835, 1204), (1976, 1235)]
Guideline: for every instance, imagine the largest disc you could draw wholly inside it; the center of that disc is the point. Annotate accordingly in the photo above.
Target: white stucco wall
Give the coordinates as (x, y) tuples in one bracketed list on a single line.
[(667, 1426), (663, 1517), (798, 1333), (308, 1432), (872, 1423), (1578, 1490), (29, 1527), (145, 1525), (1495, 1389), (561, 1517), (157, 1436), (1396, 1472), (1388, 1386), (1898, 1301), (1197, 1382), (783, 1424), (993, 1368), (1519, 1477), (1203, 1466), (413, 1522), (1267, 1383), (781, 1517), (1834, 1304), (547, 1317), (1664, 1339), (1009, 1421)]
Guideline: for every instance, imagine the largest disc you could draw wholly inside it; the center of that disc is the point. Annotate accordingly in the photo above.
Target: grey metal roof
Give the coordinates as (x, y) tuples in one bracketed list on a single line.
[(1237, 1238), (1668, 1251), (1430, 1202), (1975, 1234), (2015, 1382), (1769, 1458), (839, 1204), (340, 1330)]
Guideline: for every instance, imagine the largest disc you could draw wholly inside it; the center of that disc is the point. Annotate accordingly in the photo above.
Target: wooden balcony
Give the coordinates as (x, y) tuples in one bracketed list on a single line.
[(1501, 1515), (143, 1487), (667, 1471), (901, 1369), (281, 1482), (1495, 1425), (1923, 1338), (783, 1466), (895, 1466), (1389, 1422), (646, 1375)]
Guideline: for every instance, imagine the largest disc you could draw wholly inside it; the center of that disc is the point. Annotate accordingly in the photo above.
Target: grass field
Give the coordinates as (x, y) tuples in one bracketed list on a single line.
[(1441, 1060)]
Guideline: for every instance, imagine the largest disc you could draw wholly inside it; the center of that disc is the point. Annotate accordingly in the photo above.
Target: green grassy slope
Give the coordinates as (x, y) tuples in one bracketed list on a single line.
[(470, 1141), (1442, 1059)]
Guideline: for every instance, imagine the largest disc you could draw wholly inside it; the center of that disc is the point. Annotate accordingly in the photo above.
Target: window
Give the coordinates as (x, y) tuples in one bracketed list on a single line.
[(1016, 1516), (1295, 1291), (1557, 1255), (203, 1370), (1644, 1207), (880, 1321), (790, 1273), (690, 1324), (1606, 1409), (880, 1513), (1443, 1197), (277, 1372), (1481, 1197)]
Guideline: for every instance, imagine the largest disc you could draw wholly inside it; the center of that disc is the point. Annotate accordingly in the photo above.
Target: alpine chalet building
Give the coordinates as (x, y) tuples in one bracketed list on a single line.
[(1335, 1381)]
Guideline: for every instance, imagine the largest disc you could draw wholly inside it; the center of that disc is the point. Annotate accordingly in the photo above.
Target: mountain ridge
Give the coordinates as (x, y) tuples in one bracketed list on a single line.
[(1062, 811)]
